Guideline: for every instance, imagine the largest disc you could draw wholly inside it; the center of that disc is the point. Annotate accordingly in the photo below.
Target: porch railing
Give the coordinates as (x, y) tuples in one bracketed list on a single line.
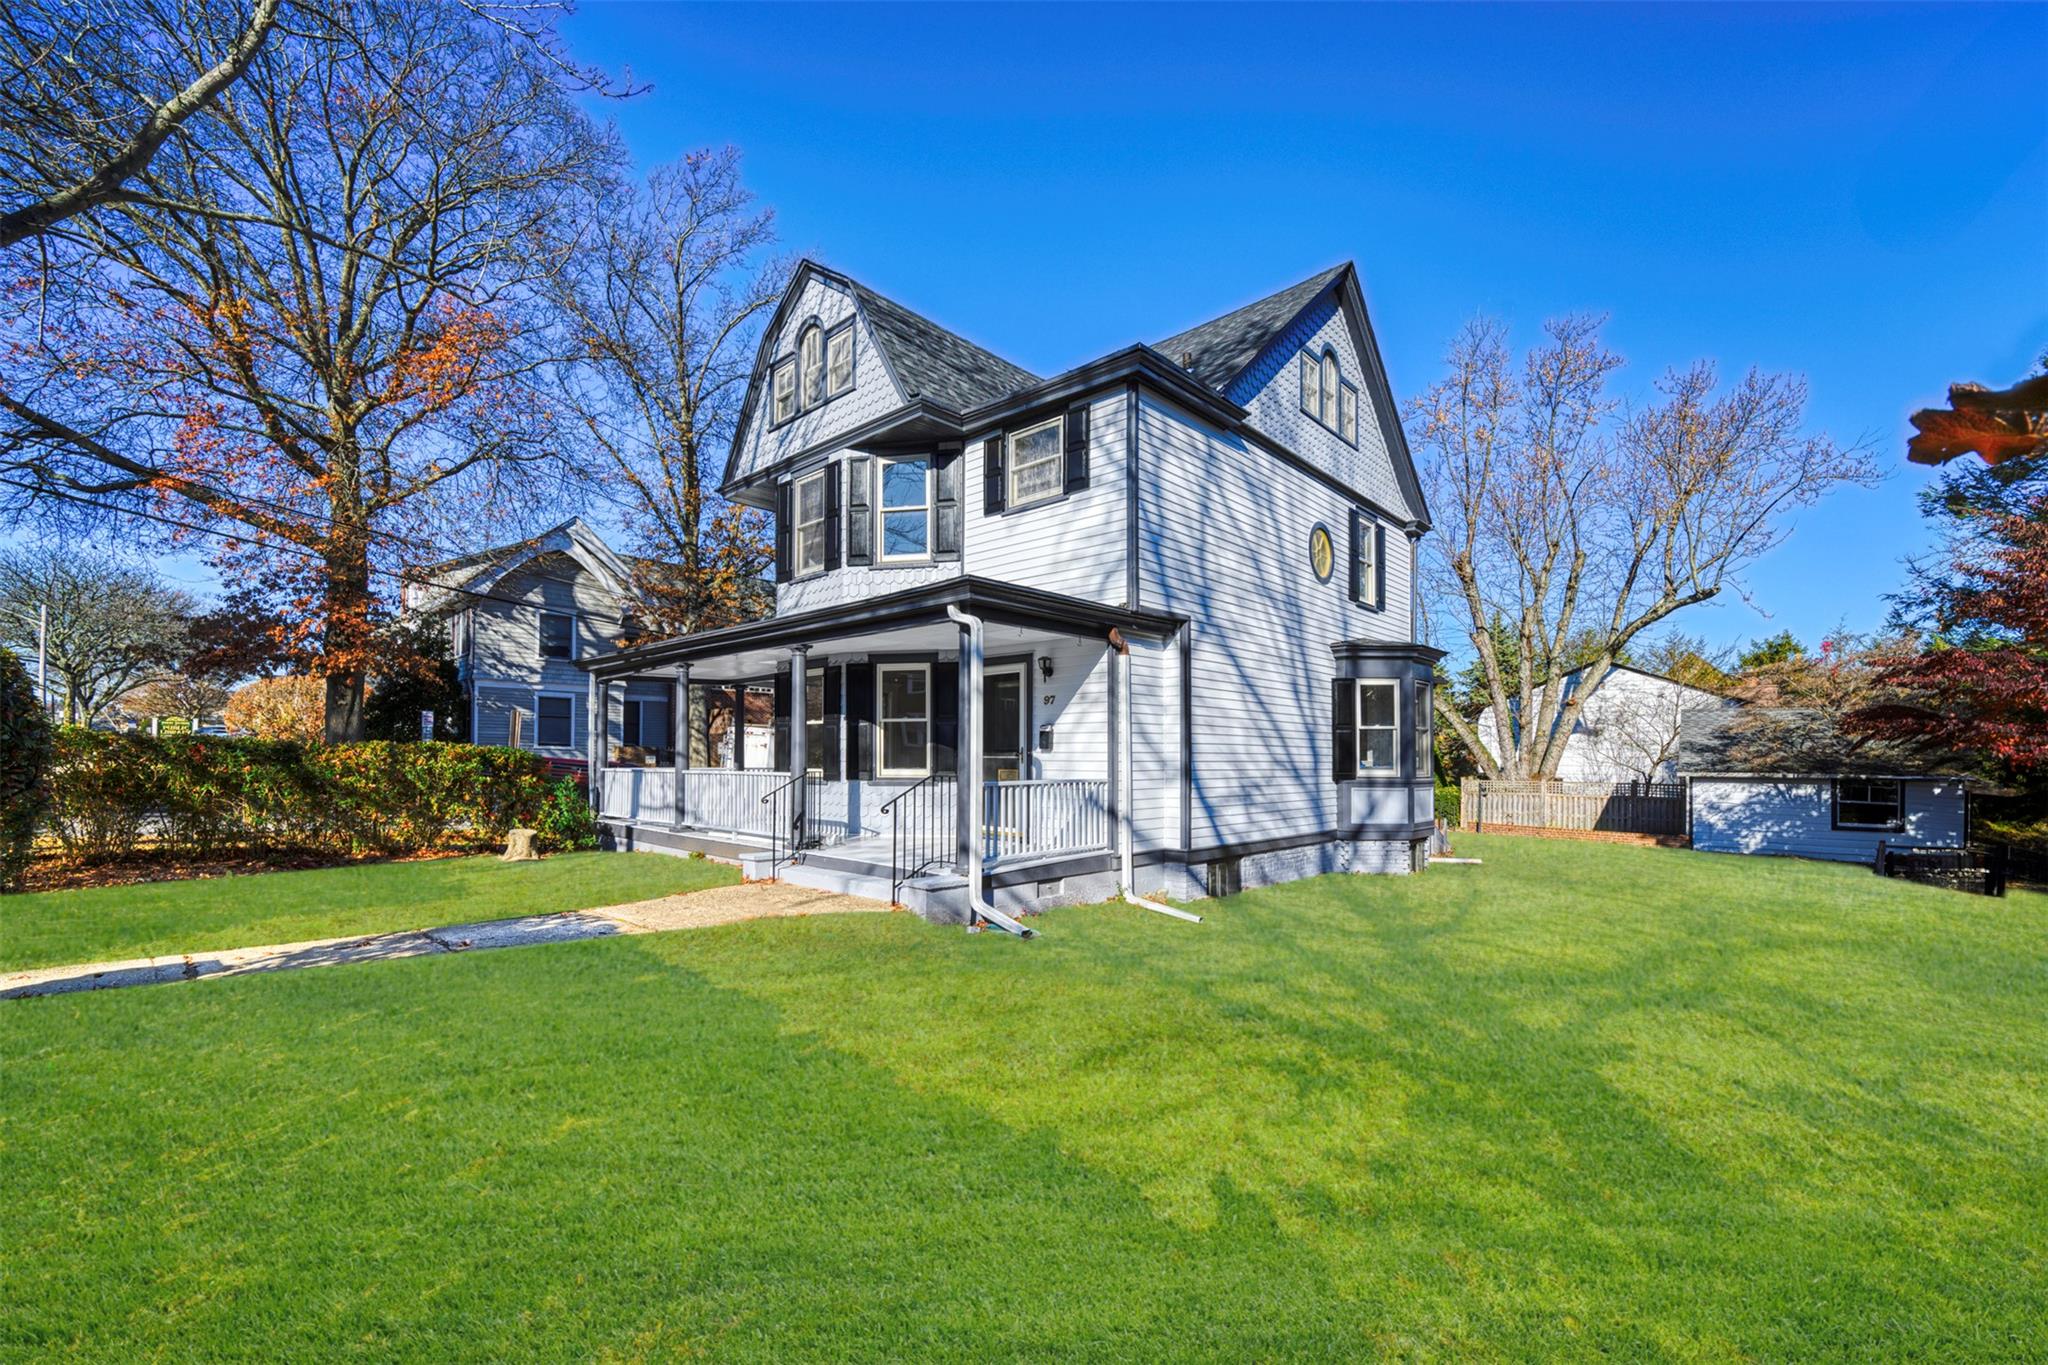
[(638, 794), (1054, 815), (922, 821), (728, 800)]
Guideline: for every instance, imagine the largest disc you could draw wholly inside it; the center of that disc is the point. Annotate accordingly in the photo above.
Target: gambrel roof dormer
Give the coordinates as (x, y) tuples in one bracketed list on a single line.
[(836, 357)]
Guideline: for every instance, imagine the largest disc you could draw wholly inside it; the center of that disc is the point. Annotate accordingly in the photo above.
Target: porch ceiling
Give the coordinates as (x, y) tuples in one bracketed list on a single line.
[(908, 622)]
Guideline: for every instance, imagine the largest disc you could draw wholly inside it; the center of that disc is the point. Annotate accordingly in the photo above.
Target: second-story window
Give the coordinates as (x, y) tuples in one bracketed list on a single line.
[(810, 522), (557, 636), (839, 360), (1328, 396), (1035, 462), (811, 356), (906, 507), (785, 390)]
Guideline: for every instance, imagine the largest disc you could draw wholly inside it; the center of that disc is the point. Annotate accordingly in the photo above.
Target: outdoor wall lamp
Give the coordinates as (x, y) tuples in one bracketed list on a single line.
[(1045, 667)]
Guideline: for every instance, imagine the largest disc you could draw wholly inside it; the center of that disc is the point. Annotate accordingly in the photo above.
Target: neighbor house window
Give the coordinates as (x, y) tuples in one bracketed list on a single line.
[(839, 361), (643, 723), (785, 390), (1869, 804), (554, 722), (1424, 718), (811, 353), (905, 715), (557, 636), (1379, 735), (810, 522), (1035, 462), (906, 507)]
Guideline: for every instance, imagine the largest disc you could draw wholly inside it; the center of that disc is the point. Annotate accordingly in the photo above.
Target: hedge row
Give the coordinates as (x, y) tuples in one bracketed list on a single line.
[(204, 795)]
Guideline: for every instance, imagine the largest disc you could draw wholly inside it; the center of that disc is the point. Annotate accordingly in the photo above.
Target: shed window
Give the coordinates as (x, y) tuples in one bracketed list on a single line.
[(906, 507), (1869, 804), (785, 390), (554, 722), (839, 361), (1035, 462), (811, 351), (1379, 734), (810, 522), (557, 636), (904, 694)]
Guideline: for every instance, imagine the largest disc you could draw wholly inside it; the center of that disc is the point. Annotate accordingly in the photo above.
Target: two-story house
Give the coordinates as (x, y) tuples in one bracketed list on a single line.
[(1147, 624), (520, 617)]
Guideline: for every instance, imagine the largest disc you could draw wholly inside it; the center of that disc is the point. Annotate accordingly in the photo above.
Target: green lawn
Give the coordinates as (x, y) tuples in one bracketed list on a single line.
[(104, 924), (1582, 1101)]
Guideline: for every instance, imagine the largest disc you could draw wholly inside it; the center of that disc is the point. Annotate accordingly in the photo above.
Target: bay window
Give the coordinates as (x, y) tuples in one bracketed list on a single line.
[(1379, 731), (904, 692), (811, 508), (906, 505), (1036, 457), (1425, 739)]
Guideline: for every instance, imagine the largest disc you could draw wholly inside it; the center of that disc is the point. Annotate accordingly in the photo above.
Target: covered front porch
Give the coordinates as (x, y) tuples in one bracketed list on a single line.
[(963, 726)]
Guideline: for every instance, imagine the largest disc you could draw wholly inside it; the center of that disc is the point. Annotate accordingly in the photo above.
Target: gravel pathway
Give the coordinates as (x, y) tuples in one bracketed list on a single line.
[(694, 910)]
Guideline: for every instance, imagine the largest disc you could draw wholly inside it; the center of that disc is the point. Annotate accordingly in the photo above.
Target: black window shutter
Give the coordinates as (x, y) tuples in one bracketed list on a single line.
[(992, 475), (782, 506), (1379, 567), (829, 760), (1343, 730), (782, 722), (860, 715), (832, 518), (1357, 555), (1077, 448), (946, 505), (860, 516), (945, 717)]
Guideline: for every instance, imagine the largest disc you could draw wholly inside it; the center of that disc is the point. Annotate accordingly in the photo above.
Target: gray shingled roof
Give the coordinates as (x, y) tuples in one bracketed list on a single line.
[(1791, 741), (934, 363), (1224, 347)]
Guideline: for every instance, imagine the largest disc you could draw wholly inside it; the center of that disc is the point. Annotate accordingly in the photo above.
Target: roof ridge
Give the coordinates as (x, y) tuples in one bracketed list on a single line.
[(1219, 350)]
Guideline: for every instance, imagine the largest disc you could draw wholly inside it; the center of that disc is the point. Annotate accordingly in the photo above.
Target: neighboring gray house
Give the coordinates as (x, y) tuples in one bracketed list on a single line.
[(1181, 573), (1788, 781), (1628, 730), (520, 617)]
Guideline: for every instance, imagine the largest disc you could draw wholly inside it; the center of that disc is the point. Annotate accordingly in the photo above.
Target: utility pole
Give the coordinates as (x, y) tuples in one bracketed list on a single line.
[(43, 652)]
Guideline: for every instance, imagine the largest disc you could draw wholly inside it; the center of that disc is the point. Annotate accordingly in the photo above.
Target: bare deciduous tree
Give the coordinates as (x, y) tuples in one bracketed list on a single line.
[(669, 309), (113, 626), (339, 355), (1581, 521)]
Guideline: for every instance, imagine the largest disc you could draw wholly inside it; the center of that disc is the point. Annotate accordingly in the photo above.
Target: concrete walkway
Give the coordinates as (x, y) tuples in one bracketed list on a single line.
[(694, 910)]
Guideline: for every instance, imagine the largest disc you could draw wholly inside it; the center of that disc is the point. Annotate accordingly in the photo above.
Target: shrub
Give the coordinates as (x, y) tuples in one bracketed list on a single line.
[(203, 795), (565, 820), (24, 767), (1447, 805)]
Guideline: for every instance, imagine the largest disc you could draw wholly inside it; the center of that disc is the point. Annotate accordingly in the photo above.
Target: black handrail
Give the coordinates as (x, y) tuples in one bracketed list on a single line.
[(784, 816), (921, 816)]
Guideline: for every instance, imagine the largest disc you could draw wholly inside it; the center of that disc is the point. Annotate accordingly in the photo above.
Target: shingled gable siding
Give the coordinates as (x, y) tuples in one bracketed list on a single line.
[(1074, 544), (1224, 539), (1796, 818), (873, 391), (1271, 393)]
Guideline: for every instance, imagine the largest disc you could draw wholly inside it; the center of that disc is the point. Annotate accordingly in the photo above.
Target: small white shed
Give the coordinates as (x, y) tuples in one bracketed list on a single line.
[(1789, 782)]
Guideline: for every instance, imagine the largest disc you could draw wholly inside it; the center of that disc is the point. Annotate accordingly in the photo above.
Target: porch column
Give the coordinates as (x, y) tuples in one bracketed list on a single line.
[(799, 673), (738, 734), (679, 736), (967, 753), (593, 762)]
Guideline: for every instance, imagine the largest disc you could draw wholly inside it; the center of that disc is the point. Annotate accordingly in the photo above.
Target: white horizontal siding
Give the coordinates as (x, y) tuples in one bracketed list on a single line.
[(1795, 818), (1271, 394), (1155, 744), (1075, 545), (1224, 539), (1078, 711), (495, 707), (873, 392)]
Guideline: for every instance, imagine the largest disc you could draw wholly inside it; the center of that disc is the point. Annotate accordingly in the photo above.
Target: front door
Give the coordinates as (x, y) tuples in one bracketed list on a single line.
[(1002, 724)]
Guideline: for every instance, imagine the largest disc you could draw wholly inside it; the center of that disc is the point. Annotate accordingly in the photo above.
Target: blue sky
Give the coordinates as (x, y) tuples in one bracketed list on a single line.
[(1856, 194)]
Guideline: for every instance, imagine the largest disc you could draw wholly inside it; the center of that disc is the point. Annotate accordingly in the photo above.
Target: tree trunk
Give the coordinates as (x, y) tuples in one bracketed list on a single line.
[(347, 609)]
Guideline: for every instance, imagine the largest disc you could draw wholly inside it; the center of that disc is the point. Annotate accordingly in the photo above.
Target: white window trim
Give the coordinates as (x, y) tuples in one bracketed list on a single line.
[(882, 509), (786, 366), (1011, 502), (814, 754), (1393, 685), (810, 361), (540, 635), (882, 768), (1425, 726), (796, 531), (569, 697), (843, 331), (1347, 389)]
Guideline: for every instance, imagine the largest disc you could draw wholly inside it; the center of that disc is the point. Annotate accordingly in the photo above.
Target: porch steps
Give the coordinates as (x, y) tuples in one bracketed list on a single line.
[(821, 871)]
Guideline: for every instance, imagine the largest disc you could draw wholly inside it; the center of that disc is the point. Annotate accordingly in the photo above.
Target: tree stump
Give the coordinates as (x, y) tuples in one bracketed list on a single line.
[(519, 846)]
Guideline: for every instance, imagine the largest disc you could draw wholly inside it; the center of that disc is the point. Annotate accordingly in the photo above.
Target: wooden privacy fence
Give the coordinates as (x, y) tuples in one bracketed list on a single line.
[(1613, 807)]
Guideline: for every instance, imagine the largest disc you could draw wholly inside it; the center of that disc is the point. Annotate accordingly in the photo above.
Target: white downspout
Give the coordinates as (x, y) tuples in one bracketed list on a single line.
[(1126, 769), (969, 746)]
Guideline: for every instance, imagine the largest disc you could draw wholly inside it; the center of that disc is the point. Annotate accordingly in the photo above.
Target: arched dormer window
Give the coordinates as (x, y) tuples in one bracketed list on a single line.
[(1327, 395), (811, 359)]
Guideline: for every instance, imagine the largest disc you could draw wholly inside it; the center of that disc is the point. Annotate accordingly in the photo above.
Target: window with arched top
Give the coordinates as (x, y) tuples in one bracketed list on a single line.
[(811, 355), (1328, 396)]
